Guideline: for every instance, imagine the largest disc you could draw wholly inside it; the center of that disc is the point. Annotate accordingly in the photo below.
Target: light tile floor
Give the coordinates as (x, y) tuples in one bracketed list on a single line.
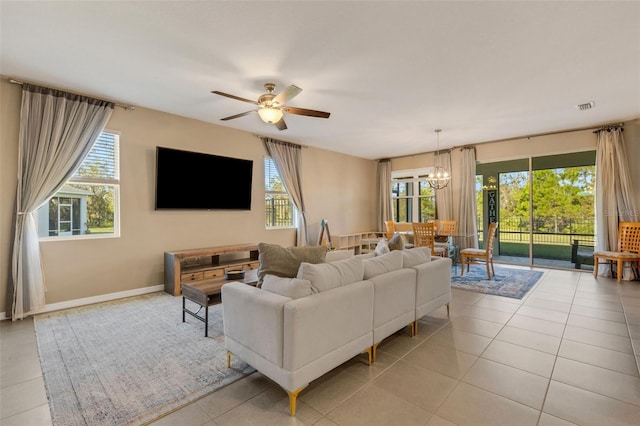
[(567, 353)]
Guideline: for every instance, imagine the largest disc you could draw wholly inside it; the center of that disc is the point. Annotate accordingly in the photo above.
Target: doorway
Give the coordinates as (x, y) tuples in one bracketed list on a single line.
[(546, 209)]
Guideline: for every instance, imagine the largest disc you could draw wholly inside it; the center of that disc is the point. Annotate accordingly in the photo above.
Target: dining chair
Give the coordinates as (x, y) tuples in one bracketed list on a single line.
[(424, 236), (445, 231), (470, 255), (628, 250), (390, 228)]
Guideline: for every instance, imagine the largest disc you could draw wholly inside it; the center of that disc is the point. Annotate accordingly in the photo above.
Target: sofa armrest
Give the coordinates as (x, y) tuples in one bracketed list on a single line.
[(433, 280), (254, 318), (324, 322)]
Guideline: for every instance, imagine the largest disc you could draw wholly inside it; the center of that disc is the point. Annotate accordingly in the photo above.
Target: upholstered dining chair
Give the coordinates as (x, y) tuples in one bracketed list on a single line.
[(424, 236), (628, 251), (469, 255)]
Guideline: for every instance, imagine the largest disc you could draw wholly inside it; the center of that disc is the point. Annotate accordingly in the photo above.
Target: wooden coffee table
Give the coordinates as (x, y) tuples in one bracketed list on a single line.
[(204, 293)]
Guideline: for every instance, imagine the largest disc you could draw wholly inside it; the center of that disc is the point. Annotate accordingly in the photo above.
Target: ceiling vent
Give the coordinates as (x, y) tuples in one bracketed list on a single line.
[(586, 106)]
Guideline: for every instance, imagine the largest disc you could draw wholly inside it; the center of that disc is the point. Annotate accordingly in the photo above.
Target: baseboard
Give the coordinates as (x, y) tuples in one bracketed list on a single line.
[(91, 300)]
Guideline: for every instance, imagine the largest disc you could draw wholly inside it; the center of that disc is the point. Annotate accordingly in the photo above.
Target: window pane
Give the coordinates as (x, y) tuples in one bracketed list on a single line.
[(279, 210), (427, 209), (102, 161)]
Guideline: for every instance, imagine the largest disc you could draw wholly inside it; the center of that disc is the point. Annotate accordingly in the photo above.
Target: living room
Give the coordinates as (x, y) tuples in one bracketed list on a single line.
[(338, 187)]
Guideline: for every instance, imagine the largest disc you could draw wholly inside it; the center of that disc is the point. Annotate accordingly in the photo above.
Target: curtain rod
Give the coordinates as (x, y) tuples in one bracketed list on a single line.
[(125, 107), (281, 141), (559, 132)]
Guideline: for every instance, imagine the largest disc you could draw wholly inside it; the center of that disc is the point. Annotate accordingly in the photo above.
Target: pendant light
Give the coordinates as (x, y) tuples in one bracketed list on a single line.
[(439, 177)]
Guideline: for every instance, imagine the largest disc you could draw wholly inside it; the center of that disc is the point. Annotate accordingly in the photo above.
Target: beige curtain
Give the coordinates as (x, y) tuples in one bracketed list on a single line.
[(288, 159), (385, 211), (57, 131), (614, 193), (467, 215), (444, 204)]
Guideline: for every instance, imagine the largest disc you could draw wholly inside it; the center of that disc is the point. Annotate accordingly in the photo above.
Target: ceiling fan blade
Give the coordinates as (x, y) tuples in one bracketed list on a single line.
[(286, 95), (237, 98), (308, 112), (281, 125), (242, 114)]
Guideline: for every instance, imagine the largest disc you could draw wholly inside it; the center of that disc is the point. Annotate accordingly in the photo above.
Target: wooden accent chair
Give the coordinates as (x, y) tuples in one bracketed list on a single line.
[(469, 255), (628, 250), (424, 236)]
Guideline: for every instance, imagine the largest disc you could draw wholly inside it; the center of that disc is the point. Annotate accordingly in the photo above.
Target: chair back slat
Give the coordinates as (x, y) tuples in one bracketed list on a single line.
[(629, 237), (492, 238)]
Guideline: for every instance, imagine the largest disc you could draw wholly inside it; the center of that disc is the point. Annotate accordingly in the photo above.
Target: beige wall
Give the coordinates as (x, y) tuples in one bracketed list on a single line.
[(560, 143), (337, 187)]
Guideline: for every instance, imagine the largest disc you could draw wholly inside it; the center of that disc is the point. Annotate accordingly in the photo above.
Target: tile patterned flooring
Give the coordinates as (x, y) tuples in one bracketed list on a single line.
[(567, 353)]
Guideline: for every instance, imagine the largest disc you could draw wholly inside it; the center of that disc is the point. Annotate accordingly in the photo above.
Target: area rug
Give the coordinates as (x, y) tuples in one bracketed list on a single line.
[(131, 361), (508, 282)]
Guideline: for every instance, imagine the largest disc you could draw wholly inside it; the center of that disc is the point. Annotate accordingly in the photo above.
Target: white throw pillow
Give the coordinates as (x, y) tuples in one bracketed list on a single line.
[(335, 255), (415, 256), (290, 287), (380, 264), (325, 276), (382, 247)]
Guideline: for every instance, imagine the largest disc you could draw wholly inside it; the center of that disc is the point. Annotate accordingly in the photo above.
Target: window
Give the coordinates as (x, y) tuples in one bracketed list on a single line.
[(279, 208), (413, 199), (87, 205)]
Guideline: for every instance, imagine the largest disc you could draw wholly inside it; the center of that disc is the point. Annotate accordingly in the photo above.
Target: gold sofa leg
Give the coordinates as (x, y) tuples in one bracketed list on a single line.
[(293, 396), (229, 359), (448, 310), (374, 350), (413, 328), (370, 354)]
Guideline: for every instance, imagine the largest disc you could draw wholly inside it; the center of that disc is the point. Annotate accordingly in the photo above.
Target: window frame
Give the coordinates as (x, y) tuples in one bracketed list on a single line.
[(414, 179), (114, 182), (267, 192)]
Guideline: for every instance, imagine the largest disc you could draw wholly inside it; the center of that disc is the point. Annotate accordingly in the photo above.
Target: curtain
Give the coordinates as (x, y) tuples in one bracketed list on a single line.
[(384, 193), (288, 158), (444, 205), (614, 193), (467, 215), (57, 131)]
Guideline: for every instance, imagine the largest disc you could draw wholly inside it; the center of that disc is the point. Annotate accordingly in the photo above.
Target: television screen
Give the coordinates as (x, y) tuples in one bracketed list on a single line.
[(193, 180)]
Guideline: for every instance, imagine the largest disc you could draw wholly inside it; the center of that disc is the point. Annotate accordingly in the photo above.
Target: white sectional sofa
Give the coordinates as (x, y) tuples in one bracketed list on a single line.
[(295, 329)]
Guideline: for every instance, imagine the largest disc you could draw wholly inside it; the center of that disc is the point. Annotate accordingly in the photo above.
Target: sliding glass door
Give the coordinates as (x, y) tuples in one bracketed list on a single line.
[(545, 209)]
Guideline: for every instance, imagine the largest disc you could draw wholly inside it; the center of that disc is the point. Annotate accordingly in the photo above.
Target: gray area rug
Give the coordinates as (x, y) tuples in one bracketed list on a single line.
[(130, 361)]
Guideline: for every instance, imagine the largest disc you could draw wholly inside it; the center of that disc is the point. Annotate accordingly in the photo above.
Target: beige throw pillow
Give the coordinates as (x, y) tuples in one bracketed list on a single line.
[(396, 242), (290, 287), (285, 261)]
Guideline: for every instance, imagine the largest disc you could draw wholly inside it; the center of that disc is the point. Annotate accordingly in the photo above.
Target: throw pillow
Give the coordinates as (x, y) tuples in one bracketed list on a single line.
[(381, 264), (396, 242), (335, 255), (285, 261), (415, 256), (290, 287), (382, 247), (326, 276)]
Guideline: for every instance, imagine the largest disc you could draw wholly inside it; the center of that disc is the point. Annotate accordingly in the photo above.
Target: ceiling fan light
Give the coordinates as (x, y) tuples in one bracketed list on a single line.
[(270, 115)]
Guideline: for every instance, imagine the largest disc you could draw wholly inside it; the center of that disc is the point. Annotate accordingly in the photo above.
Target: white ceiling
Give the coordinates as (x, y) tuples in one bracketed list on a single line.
[(389, 72)]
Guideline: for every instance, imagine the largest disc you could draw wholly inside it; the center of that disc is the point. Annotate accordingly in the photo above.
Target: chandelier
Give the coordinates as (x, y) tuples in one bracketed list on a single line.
[(439, 177)]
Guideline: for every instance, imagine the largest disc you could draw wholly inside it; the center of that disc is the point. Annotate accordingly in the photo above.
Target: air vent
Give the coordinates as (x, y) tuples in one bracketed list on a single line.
[(586, 106)]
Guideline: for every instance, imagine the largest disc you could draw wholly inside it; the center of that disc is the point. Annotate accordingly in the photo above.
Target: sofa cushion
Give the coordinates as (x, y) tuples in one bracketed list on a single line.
[(325, 276), (334, 255), (382, 247), (396, 242), (285, 261), (381, 264), (294, 288), (415, 256)]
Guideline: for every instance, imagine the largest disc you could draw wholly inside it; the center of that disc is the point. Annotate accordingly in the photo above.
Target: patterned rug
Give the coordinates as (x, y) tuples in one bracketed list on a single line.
[(507, 282), (130, 361)]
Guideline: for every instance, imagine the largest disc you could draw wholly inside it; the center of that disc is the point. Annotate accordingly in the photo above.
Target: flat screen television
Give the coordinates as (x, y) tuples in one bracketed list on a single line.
[(199, 181)]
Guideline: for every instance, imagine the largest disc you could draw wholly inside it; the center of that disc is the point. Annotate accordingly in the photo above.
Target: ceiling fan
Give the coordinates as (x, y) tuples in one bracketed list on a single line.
[(272, 107)]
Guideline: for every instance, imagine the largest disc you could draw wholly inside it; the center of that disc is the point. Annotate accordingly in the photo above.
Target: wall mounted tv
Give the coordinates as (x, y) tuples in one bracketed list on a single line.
[(199, 181)]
